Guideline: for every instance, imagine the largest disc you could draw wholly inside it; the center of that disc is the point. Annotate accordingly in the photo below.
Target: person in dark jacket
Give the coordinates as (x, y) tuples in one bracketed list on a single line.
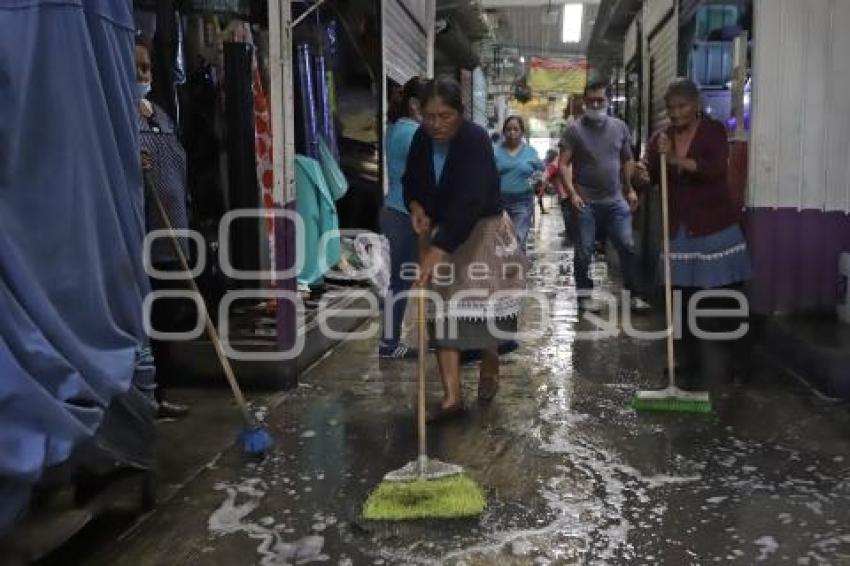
[(469, 254), (707, 247), (164, 166)]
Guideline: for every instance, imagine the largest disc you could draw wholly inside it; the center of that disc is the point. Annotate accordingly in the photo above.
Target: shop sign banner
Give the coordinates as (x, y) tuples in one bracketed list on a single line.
[(563, 76)]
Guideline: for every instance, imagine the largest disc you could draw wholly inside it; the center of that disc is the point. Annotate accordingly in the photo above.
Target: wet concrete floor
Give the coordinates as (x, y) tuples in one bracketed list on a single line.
[(573, 475)]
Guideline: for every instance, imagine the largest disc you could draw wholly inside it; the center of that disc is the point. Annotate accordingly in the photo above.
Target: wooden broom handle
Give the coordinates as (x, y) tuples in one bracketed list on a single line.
[(423, 429), (424, 242), (211, 331), (668, 284)]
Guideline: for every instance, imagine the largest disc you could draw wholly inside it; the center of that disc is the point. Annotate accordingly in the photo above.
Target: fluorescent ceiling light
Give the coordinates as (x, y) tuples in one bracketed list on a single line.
[(573, 16)]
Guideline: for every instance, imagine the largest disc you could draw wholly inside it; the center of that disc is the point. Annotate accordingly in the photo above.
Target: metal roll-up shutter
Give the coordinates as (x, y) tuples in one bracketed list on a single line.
[(406, 39), (662, 64), (687, 8)]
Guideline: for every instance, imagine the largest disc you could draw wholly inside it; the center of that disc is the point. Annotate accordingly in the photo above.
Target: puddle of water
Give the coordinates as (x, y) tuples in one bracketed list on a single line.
[(233, 516)]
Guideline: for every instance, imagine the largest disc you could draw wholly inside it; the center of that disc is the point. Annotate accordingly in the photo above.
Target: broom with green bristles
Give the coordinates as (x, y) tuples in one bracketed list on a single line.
[(671, 398), (424, 488)]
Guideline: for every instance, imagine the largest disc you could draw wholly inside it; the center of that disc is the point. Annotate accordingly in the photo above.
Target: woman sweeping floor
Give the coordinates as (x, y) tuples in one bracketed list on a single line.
[(469, 251), (707, 249)]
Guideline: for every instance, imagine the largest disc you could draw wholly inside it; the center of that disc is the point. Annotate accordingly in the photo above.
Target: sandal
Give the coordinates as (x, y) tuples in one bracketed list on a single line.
[(488, 386), (438, 413)]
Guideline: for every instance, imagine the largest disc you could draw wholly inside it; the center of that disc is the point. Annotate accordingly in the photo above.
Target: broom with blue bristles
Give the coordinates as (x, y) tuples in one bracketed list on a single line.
[(671, 398), (254, 439)]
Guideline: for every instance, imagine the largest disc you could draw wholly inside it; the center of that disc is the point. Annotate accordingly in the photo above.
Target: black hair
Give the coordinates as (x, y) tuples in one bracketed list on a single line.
[(518, 120), (446, 89), (683, 87), (400, 106), (412, 90), (143, 41), (598, 84)]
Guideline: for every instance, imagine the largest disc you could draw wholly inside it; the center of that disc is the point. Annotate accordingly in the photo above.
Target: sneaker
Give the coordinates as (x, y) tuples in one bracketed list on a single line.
[(590, 304), (400, 351), (639, 305)]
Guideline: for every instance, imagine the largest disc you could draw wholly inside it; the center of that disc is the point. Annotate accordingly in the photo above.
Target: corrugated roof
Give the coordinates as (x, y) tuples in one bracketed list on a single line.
[(534, 26)]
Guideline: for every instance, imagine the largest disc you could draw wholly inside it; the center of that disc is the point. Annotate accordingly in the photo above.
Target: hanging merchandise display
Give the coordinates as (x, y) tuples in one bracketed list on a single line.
[(325, 120), (319, 243), (337, 183), (308, 101), (329, 41), (242, 171), (77, 377), (241, 32), (240, 8)]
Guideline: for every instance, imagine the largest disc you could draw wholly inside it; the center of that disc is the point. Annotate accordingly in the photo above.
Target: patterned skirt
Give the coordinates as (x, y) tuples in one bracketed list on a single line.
[(477, 292), (715, 260)]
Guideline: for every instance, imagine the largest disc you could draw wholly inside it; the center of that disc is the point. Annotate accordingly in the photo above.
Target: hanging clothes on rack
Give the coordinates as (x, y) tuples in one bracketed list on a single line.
[(241, 32), (315, 205), (75, 372)]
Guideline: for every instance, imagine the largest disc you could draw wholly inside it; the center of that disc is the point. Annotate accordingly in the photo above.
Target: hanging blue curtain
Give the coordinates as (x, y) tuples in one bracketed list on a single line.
[(307, 93), (71, 228)]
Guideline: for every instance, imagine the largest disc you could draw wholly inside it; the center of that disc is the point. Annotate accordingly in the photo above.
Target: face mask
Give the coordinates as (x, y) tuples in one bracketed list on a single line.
[(596, 114), (142, 89)]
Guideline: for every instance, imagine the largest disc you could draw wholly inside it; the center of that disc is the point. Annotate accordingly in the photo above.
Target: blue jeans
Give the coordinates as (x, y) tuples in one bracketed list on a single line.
[(520, 207), (567, 214), (396, 226), (614, 218)]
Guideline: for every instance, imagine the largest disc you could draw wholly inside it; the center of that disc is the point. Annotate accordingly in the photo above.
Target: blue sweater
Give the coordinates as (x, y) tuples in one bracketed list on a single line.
[(515, 171), (399, 136)]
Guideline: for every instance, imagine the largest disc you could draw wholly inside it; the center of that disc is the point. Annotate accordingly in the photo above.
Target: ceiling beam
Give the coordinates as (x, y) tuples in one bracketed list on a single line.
[(531, 3), (538, 50)]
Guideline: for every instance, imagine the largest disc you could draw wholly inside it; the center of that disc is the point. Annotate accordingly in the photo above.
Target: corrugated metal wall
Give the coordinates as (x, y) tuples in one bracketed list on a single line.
[(663, 49), (631, 43), (654, 11), (687, 8), (801, 114), (406, 39), (799, 193)]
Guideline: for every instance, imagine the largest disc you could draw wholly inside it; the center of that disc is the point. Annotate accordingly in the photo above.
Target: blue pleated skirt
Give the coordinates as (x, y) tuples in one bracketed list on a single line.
[(714, 260)]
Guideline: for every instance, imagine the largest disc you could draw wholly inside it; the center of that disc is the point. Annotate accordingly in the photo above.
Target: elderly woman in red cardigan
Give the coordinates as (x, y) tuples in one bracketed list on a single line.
[(707, 247)]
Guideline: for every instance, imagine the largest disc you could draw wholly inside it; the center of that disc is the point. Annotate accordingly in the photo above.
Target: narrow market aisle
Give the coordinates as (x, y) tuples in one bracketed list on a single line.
[(573, 475)]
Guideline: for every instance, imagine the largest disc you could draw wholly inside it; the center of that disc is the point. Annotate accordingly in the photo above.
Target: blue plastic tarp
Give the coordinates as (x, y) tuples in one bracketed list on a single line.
[(71, 230)]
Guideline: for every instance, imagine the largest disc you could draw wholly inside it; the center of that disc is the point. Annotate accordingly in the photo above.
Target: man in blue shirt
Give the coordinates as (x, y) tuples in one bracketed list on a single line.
[(598, 147)]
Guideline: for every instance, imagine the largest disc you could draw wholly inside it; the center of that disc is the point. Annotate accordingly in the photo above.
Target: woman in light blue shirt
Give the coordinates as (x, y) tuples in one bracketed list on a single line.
[(395, 219), (517, 163)]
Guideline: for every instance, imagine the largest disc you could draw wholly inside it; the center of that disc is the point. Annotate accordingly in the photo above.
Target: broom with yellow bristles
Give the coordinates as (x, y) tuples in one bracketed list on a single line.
[(424, 488)]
